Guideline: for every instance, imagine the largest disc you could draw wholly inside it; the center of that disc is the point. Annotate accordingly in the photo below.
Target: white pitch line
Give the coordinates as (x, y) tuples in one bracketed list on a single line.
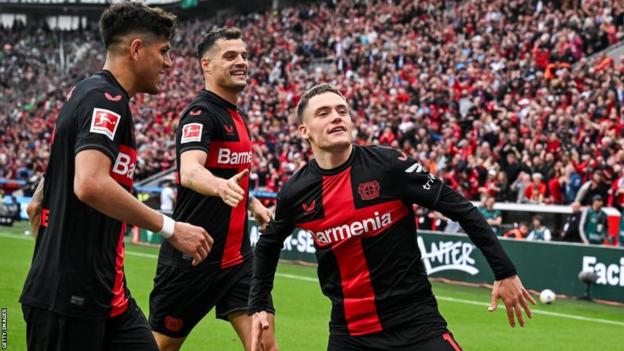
[(443, 298), (546, 313)]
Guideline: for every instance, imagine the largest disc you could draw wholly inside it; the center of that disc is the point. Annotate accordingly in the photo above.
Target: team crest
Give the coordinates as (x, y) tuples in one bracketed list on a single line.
[(369, 190), (191, 132), (104, 122)]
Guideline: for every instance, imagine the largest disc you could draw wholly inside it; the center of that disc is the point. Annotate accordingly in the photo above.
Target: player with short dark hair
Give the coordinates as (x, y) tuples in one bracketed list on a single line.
[(214, 154), (356, 202), (75, 296)]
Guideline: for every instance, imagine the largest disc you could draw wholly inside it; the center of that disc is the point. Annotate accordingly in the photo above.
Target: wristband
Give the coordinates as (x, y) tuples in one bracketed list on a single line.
[(168, 227)]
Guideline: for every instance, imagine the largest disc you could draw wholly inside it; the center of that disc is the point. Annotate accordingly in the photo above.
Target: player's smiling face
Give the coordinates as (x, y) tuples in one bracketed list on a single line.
[(228, 64), (327, 122)]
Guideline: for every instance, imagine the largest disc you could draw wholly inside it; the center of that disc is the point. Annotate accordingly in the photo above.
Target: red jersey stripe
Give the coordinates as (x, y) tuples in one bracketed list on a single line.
[(236, 228), (449, 338), (359, 296), (120, 300)]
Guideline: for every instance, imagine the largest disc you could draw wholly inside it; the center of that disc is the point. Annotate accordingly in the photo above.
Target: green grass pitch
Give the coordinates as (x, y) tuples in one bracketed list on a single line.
[(303, 312)]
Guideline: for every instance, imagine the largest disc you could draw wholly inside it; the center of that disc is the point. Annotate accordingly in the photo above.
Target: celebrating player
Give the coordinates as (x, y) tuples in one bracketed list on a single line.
[(214, 157), (357, 204), (75, 296)]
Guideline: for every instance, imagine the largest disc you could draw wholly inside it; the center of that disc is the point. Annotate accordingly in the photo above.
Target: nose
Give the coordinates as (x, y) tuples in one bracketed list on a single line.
[(336, 118), (167, 62), (240, 61)]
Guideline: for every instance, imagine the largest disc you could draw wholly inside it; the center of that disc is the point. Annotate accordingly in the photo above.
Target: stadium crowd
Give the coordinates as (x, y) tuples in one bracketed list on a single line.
[(497, 97)]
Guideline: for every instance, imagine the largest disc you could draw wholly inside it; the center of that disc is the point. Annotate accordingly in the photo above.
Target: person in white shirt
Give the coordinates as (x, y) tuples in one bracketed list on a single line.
[(167, 197), (539, 232)]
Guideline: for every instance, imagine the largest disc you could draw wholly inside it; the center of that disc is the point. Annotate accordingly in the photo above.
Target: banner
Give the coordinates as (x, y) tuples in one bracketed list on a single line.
[(541, 265)]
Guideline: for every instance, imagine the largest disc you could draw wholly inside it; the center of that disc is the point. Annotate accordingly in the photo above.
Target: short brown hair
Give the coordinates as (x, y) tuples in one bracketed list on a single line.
[(312, 92), (208, 41), (133, 17)]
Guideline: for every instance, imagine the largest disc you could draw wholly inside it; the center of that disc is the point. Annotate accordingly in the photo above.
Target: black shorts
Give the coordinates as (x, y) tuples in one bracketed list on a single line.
[(50, 331), (398, 339), (181, 298)]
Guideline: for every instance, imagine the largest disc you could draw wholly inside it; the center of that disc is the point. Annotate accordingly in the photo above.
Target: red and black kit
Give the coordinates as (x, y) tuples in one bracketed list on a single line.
[(184, 294), (78, 265), (369, 264)]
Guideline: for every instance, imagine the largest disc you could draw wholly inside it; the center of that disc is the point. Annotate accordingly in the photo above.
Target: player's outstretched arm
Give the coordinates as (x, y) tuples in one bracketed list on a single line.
[(94, 186), (195, 176), (33, 210), (418, 186)]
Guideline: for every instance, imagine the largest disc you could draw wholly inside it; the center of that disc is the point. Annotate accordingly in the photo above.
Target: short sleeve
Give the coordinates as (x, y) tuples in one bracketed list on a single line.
[(195, 131), (102, 119)]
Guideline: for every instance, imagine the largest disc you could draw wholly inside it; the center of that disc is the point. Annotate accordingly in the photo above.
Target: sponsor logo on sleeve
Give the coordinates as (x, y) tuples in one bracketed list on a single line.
[(195, 113), (415, 168), (191, 132), (104, 122), (307, 208), (229, 130), (112, 98)]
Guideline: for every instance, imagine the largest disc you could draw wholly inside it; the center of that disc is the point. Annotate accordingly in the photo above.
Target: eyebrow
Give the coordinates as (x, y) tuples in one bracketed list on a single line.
[(235, 52), (324, 107)]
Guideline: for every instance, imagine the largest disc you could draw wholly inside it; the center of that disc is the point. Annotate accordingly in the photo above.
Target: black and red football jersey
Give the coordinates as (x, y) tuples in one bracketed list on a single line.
[(361, 218), (78, 263), (213, 125)]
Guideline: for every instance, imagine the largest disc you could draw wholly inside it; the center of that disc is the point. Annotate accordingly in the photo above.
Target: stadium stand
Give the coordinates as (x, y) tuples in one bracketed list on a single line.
[(496, 97)]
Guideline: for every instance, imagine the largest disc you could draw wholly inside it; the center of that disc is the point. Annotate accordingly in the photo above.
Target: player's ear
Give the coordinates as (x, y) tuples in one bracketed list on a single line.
[(205, 65), (304, 132), (135, 48)]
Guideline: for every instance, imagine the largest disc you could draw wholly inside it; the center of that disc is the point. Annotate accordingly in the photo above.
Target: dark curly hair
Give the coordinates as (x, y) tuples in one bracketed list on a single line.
[(211, 38), (132, 17)]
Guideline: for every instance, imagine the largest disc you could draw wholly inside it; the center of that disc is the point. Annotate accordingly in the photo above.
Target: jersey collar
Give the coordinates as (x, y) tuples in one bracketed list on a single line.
[(218, 100), (109, 75), (336, 170)]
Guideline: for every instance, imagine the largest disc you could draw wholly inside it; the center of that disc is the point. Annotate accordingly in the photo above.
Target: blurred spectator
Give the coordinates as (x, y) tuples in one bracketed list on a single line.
[(572, 181), (593, 226), (571, 227), (520, 186), (520, 232), (167, 197), (492, 216), (616, 194), (539, 232), (595, 186), (536, 190)]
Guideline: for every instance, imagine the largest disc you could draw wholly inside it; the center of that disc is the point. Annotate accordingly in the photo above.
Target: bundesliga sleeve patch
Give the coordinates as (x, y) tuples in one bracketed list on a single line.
[(104, 122), (191, 132)]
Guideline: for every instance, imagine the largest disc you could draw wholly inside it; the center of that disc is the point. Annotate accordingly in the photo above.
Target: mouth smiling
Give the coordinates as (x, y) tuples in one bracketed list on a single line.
[(241, 73), (337, 129)]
